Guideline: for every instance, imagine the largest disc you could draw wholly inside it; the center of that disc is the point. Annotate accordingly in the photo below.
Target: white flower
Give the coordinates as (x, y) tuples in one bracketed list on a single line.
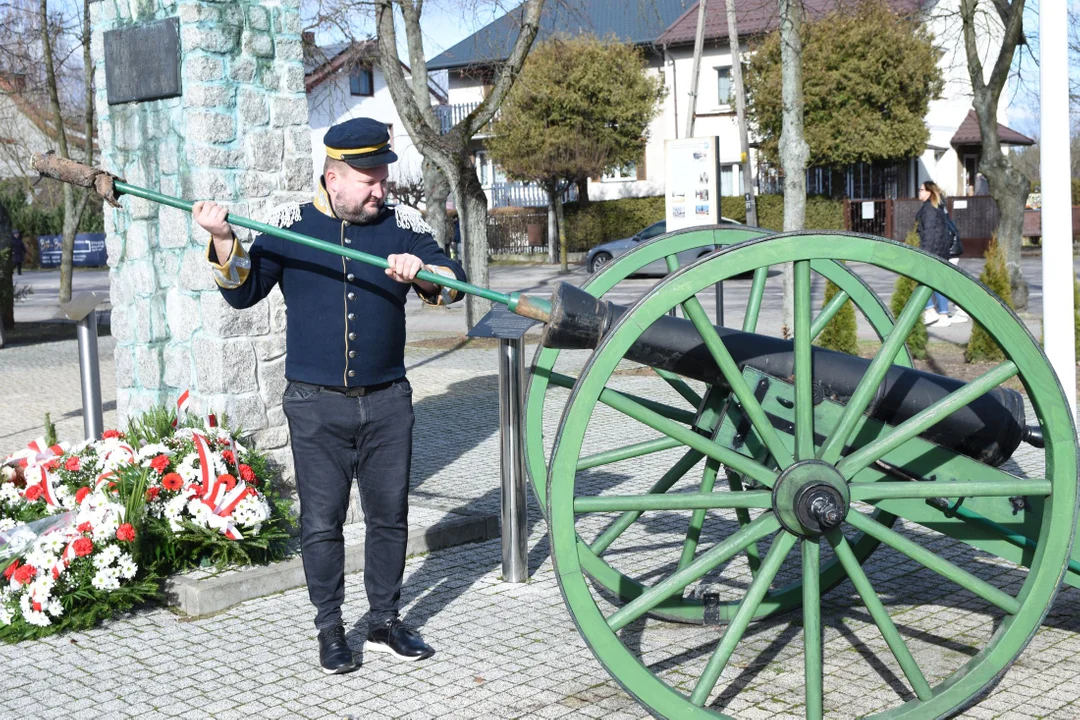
[(127, 566), (8, 492), (5, 614), (41, 558), (53, 542), (107, 579), (149, 452), (106, 557), (34, 617), (7, 524), (55, 607)]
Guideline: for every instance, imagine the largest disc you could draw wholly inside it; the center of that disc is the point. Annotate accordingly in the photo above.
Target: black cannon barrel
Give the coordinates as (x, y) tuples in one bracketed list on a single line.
[(989, 429)]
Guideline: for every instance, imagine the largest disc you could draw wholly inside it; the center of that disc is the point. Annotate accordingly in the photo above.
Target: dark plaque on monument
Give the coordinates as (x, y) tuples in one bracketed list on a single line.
[(142, 62), (503, 324)]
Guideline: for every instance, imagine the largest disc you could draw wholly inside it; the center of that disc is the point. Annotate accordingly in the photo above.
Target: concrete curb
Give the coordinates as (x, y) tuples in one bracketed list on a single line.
[(200, 597)]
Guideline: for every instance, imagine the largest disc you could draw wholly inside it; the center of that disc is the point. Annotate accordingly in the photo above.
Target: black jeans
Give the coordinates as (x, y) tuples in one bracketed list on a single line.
[(334, 439)]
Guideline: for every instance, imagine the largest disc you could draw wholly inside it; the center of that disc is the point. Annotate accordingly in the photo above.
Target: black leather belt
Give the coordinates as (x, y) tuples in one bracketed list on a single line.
[(361, 390)]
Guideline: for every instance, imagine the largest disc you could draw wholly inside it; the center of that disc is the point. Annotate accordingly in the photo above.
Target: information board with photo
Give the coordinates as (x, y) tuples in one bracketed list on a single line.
[(692, 182)]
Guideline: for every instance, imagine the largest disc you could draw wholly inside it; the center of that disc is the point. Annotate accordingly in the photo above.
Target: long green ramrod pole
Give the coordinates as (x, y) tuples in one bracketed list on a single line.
[(78, 174)]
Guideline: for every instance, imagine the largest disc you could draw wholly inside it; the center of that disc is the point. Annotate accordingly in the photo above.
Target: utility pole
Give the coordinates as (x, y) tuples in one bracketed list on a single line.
[(740, 113), (699, 42)]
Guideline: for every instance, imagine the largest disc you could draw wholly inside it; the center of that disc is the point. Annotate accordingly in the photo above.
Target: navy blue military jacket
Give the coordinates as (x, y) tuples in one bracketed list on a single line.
[(345, 319)]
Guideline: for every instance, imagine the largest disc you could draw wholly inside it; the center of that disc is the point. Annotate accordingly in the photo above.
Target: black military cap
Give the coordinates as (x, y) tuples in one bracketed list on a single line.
[(361, 142)]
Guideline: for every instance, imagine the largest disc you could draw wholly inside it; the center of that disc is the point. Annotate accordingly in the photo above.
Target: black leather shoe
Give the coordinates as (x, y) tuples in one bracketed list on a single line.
[(335, 657), (394, 638)]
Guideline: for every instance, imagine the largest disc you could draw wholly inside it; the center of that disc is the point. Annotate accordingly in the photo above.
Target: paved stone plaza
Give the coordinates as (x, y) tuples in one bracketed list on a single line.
[(504, 650)]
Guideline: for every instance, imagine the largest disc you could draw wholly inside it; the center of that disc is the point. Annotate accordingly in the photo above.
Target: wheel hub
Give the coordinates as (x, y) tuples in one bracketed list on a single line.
[(811, 498)]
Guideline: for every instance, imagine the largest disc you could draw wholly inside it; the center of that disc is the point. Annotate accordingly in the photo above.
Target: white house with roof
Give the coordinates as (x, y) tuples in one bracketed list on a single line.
[(665, 30), (345, 81)]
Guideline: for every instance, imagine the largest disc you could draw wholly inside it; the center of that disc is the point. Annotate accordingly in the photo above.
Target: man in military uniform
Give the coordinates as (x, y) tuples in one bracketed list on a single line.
[(348, 403)]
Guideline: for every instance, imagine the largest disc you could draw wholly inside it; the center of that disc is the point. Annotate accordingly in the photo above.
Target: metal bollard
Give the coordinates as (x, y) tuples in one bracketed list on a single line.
[(83, 310), (515, 565), (90, 376)]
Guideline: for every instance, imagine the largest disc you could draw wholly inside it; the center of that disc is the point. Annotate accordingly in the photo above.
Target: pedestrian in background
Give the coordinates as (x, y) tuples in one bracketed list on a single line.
[(935, 238), (18, 251)]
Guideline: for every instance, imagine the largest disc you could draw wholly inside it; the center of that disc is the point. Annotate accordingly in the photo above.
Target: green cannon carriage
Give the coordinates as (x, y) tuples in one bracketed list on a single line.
[(750, 477)]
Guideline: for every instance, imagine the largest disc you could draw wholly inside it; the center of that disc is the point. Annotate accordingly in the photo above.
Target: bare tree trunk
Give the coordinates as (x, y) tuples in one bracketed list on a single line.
[(473, 211), (740, 114), (73, 210), (554, 226), (450, 152), (437, 189), (560, 220), (794, 151), (699, 41), (7, 275), (1008, 186)]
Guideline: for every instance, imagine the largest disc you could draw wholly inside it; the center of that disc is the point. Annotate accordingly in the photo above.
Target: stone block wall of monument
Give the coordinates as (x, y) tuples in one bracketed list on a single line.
[(239, 135)]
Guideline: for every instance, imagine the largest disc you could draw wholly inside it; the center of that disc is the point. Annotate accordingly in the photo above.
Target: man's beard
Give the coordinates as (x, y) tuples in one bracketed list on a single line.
[(356, 214)]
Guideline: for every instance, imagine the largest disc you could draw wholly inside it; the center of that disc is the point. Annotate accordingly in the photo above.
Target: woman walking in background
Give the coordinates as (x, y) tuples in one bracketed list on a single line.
[(934, 238)]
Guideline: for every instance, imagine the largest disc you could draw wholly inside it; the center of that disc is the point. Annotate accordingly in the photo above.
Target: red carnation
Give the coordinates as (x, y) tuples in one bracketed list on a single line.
[(227, 480), (230, 456), (197, 489), (111, 434), (172, 481), (125, 533), (84, 527), (81, 494), (72, 464), (246, 473), (25, 574), (160, 463), (52, 465), (83, 547), (152, 493), (11, 569), (33, 492)]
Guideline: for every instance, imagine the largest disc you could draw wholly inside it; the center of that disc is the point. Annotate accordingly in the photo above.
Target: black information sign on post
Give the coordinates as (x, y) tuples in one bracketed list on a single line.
[(510, 330), (142, 62)]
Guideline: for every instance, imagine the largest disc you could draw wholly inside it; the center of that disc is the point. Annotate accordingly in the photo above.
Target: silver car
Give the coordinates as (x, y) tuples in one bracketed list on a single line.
[(604, 253)]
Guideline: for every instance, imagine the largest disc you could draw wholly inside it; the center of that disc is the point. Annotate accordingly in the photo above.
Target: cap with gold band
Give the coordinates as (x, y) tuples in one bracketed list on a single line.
[(360, 142)]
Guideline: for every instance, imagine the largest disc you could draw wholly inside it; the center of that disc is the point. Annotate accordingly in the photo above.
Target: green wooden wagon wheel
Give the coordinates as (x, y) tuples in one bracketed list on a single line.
[(834, 449), (544, 377)]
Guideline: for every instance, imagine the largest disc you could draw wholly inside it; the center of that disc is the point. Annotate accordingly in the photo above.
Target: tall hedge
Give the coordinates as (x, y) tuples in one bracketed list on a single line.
[(981, 347), (602, 221), (905, 286)]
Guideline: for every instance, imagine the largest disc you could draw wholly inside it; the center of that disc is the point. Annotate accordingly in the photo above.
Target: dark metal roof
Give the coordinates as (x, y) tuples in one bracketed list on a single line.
[(968, 133), (638, 22), (754, 17)]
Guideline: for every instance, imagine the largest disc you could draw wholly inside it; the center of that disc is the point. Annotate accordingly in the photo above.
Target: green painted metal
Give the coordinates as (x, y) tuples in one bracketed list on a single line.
[(704, 500), (791, 482), (672, 476), (804, 387), (625, 453), (781, 546), (813, 661), (697, 518), (945, 489), (927, 418), (682, 416), (880, 365), (851, 285), (880, 615), (828, 313), (1048, 522)]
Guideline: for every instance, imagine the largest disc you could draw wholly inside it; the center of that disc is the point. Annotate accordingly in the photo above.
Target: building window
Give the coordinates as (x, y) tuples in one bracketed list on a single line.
[(723, 86), (362, 81), (621, 174), (730, 180)]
